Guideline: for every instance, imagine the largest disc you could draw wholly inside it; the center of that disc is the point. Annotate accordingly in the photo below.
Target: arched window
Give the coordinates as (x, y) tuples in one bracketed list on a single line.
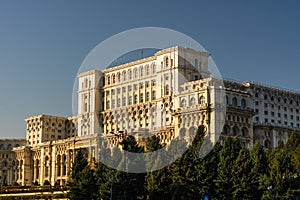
[(124, 76), (243, 132), (1, 147), (135, 73), (183, 103), (129, 74), (118, 77), (202, 100), (235, 131), (193, 101), (113, 78), (141, 71), (9, 147), (234, 101), (243, 103), (108, 80), (153, 68), (147, 70), (167, 62), (226, 130)]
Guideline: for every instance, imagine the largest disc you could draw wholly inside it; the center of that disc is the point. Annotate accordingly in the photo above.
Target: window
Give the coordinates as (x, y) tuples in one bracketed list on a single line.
[(266, 112), (183, 103), (129, 100), (167, 90), (141, 71), (141, 98), (118, 102), (279, 99), (167, 62), (118, 77), (135, 99), (234, 101), (107, 105), (272, 114), (124, 76), (130, 74), (147, 96), (153, 95), (193, 101), (266, 105), (135, 72), (113, 103), (147, 70), (113, 78), (256, 103), (153, 82), (243, 103), (202, 100), (279, 115), (108, 80), (153, 69)]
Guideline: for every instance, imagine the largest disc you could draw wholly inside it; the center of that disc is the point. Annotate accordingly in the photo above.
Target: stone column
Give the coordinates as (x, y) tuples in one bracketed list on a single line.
[(52, 166), (42, 165)]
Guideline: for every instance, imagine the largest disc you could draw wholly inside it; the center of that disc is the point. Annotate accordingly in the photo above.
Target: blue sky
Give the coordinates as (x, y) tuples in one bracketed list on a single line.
[(43, 43)]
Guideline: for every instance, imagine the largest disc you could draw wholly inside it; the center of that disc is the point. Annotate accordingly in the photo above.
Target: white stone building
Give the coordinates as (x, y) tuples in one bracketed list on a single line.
[(168, 94)]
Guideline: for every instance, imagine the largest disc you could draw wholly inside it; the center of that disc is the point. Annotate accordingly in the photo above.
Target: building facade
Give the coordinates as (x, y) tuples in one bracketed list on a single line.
[(8, 165), (169, 94)]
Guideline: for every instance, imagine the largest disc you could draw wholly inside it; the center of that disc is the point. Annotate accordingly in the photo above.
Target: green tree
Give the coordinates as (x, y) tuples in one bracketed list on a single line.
[(242, 179), (227, 157), (259, 169), (83, 182), (157, 181)]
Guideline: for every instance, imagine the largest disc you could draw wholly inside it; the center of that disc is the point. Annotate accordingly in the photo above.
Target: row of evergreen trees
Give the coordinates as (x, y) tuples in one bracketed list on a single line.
[(229, 171)]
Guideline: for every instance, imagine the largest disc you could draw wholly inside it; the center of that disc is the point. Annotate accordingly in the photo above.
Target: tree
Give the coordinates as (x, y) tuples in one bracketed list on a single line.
[(227, 156), (156, 181), (83, 182), (242, 180), (259, 169)]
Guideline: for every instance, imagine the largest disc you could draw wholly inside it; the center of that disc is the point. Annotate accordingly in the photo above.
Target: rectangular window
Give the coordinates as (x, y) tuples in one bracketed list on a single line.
[(129, 100), (266, 112)]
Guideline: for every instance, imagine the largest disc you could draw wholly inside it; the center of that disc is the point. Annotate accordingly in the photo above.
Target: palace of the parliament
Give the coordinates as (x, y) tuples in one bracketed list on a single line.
[(168, 94)]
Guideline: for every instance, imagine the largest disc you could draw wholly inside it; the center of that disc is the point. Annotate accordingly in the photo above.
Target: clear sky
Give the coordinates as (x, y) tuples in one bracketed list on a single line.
[(43, 43)]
